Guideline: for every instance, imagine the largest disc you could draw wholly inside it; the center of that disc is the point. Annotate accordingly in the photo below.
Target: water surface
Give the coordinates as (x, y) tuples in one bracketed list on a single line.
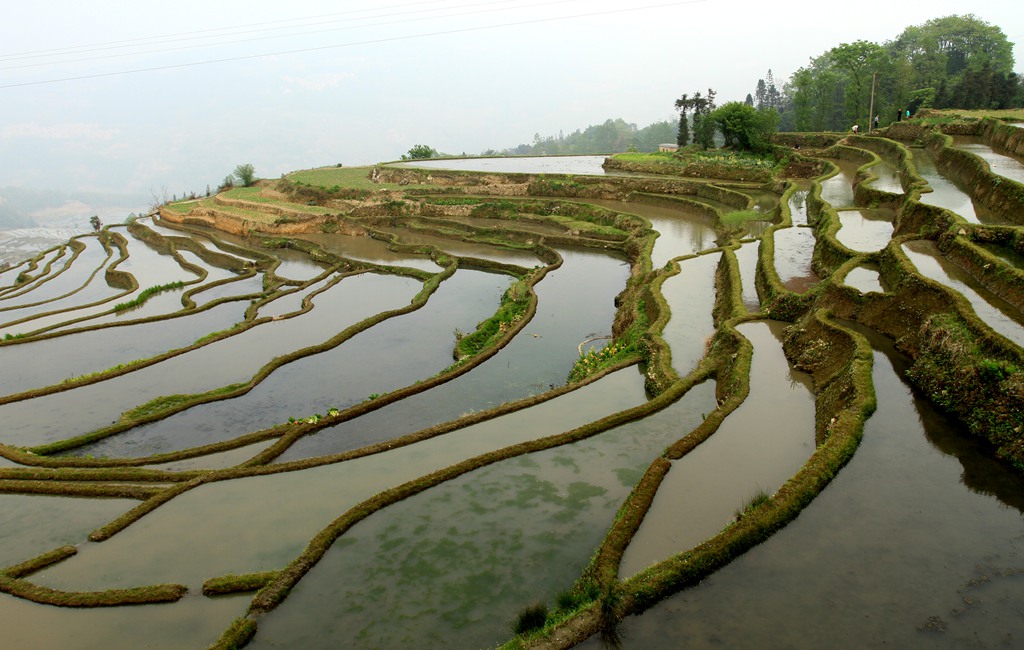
[(759, 446), (476, 549), (918, 542), (586, 165), (865, 231), (998, 314), (262, 523)]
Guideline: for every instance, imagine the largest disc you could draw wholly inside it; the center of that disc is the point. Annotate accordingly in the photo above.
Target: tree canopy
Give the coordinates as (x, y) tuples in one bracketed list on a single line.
[(950, 62), (744, 127), (245, 174), (420, 152), (612, 136)]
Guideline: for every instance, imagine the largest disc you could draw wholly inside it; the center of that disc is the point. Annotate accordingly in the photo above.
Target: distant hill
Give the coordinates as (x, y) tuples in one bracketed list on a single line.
[(22, 207), (614, 136)]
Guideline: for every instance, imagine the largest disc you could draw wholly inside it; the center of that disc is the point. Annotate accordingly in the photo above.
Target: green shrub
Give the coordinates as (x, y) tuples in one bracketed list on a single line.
[(530, 618)]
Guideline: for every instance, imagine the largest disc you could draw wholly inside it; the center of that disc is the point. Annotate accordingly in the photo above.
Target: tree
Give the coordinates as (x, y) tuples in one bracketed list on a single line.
[(95, 222), (803, 107), (745, 127), (761, 93), (703, 125), (421, 152), (683, 134), (950, 62), (245, 174), (773, 98), (857, 60)]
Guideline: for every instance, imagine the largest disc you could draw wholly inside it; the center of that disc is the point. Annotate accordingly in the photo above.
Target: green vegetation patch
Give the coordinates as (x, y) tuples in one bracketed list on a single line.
[(111, 598), (146, 294), (514, 304), (358, 178), (725, 164), (967, 377), (232, 584)]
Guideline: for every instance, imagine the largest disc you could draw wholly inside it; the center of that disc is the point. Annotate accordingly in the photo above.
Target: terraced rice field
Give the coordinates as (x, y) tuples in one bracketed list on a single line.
[(297, 416)]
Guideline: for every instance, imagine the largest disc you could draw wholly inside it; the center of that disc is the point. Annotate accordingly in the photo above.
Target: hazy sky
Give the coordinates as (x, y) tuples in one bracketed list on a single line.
[(307, 83)]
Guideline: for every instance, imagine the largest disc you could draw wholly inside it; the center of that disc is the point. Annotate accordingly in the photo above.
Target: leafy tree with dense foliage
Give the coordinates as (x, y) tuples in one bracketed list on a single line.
[(767, 95), (950, 62), (856, 61), (420, 152), (683, 105), (703, 125), (612, 136), (245, 174), (745, 127)]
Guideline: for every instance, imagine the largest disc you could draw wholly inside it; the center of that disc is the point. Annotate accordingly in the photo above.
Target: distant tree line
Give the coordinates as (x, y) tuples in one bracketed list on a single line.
[(613, 136), (950, 62)]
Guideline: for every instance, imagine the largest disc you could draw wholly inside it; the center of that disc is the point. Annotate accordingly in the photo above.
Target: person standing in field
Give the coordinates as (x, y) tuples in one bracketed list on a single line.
[(855, 129)]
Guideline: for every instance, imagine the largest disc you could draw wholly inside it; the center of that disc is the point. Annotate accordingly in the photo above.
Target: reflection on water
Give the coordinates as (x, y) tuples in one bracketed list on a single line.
[(575, 303), (865, 231), (998, 314), (838, 190), (758, 447), (794, 249), (1000, 163), (262, 523), (59, 289), (586, 165), (746, 257), (888, 177), (368, 249), (682, 229), (380, 359), (51, 361), (945, 193), (903, 549), (223, 362), (798, 204), (690, 296), (476, 549), (18, 244), (36, 523), (1008, 255), (465, 249), (149, 268), (192, 622), (864, 278)]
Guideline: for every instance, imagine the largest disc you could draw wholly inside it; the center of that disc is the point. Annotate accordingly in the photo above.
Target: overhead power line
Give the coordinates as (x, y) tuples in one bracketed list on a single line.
[(279, 36), (88, 47), (353, 43), (241, 30)]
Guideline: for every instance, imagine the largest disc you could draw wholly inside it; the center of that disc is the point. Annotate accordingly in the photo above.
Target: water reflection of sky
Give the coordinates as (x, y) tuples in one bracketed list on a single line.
[(1001, 164), (587, 165)]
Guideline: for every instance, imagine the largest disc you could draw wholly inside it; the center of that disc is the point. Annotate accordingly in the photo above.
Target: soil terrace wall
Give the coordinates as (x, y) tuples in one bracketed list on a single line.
[(1002, 279), (1003, 137), (1001, 195)]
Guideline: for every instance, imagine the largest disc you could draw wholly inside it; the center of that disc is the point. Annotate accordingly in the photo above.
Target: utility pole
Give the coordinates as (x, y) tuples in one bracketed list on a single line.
[(871, 110)]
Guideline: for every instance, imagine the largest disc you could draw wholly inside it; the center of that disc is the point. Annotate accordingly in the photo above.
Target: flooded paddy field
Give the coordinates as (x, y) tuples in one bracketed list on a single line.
[(919, 542), (1000, 163), (406, 432)]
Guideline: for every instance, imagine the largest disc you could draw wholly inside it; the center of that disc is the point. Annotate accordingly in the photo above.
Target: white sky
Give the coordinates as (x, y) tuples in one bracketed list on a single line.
[(376, 78)]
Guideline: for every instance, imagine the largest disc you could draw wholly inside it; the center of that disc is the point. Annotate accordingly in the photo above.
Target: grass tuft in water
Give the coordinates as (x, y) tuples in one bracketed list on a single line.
[(759, 498), (530, 618)]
